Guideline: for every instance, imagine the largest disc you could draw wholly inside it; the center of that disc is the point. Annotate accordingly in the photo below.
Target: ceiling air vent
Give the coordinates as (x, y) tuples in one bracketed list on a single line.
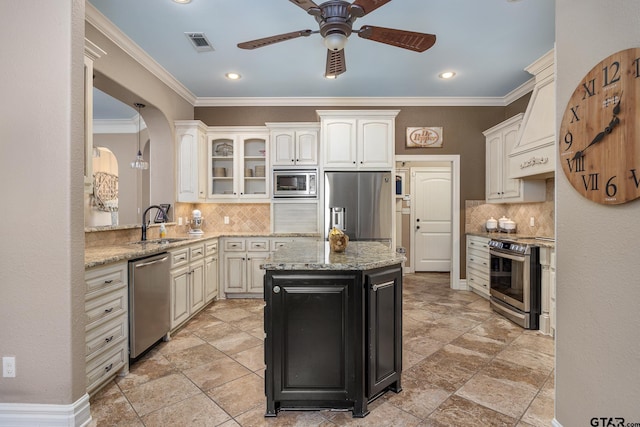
[(199, 42)]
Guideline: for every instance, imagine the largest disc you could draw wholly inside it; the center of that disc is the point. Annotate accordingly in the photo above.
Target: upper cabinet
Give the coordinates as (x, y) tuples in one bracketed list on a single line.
[(500, 188), (238, 161), (534, 154), (221, 163), (191, 148), (294, 144), (353, 139)]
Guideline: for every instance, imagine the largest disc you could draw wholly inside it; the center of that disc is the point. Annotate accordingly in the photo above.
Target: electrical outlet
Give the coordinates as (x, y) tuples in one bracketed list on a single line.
[(9, 367), (226, 220), (179, 220), (532, 222)]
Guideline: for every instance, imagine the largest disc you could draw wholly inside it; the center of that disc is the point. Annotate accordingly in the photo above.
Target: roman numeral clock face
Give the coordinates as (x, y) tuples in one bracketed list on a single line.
[(599, 140)]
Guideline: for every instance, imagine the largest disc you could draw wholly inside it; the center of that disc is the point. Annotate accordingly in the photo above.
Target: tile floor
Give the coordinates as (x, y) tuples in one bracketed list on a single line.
[(462, 365)]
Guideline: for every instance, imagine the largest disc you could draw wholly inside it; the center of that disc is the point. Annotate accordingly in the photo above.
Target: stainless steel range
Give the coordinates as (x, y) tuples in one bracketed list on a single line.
[(514, 283)]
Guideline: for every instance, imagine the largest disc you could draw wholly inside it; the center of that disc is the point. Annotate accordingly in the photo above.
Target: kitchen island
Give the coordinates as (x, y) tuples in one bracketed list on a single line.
[(333, 325)]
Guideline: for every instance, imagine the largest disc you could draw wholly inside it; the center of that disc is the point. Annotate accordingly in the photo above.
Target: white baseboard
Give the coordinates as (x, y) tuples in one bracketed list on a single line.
[(555, 423), (462, 285), (76, 414)]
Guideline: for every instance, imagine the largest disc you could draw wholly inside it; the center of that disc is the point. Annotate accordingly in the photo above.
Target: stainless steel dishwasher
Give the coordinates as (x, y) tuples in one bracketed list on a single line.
[(149, 302)]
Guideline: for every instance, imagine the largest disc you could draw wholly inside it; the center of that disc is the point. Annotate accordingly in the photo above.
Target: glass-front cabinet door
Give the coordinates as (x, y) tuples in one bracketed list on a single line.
[(254, 179), (222, 166), (238, 165)]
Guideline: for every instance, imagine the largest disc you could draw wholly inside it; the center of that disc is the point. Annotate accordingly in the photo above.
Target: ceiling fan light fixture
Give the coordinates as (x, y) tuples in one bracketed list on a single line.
[(335, 41), (446, 75), (330, 76), (233, 76), (182, 1)]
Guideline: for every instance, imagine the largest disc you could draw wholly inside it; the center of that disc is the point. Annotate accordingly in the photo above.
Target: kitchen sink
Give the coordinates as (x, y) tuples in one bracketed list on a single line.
[(160, 241)]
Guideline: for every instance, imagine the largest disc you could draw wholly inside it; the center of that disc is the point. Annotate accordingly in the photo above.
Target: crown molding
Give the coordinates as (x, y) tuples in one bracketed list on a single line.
[(349, 101), (117, 125), (113, 33), (520, 91)]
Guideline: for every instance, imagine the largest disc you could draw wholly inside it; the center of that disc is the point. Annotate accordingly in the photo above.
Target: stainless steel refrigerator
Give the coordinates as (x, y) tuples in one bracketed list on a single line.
[(360, 204)]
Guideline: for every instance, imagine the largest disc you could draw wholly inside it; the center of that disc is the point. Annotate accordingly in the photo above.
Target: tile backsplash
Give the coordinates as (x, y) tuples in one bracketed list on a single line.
[(243, 217), (477, 212)]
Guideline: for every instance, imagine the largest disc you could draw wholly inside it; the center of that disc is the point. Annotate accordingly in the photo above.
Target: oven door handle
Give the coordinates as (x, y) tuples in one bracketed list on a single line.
[(508, 256)]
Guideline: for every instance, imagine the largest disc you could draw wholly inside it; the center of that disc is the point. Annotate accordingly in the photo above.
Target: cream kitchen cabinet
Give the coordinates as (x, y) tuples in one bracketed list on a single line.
[(478, 264), (238, 164), (500, 140), (358, 139), (191, 146), (294, 144), (211, 270), (241, 270), (187, 283), (106, 325), (548, 288)]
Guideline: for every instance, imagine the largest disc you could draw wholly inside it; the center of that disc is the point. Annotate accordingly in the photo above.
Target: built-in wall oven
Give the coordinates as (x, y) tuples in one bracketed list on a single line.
[(515, 281), (295, 183)]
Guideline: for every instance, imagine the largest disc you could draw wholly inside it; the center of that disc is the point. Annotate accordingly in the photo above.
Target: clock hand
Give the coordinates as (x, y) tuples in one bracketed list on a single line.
[(600, 136)]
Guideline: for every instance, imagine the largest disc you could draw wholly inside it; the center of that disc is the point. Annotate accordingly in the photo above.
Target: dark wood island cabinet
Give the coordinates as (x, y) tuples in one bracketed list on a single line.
[(333, 324)]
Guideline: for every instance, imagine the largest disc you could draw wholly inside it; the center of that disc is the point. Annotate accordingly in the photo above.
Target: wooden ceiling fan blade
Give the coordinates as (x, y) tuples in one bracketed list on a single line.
[(266, 41), (305, 4), (367, 6), (418, 42), (336, 63)]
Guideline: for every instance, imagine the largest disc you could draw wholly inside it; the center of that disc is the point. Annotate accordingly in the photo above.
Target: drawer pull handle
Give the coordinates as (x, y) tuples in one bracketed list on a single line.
[(109, 339), (108, 367), (471, 259), (106, 282), (383, 285), (108, 310)]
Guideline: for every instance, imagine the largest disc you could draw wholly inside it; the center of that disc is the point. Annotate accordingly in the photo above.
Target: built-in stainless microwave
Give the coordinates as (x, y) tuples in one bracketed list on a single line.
[(295, 183)]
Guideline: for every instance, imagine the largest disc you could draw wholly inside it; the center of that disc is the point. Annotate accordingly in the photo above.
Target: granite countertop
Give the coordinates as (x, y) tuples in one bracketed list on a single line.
[(317, 256), (102, 255), (541, 241)]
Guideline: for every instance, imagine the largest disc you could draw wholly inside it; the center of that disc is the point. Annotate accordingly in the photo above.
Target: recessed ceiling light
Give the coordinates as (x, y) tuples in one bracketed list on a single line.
[(446, 75), (182, 1), (232, 76)]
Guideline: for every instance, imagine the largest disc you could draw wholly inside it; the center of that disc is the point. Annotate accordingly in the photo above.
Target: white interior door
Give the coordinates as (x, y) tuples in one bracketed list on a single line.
[(432, 218)]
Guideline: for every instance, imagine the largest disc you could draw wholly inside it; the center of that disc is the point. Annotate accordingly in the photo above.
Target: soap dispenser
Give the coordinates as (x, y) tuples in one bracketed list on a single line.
[(163, 231)]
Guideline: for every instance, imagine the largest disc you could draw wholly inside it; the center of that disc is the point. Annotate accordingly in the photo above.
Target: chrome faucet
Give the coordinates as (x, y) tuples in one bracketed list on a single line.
[(145, 222)]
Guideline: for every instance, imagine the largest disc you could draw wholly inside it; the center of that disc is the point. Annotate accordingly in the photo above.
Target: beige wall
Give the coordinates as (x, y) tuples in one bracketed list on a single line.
[(41, 176), (598, 344)]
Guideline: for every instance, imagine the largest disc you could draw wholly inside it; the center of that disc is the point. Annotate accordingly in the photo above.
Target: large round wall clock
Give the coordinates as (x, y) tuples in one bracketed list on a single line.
[(599, 140)]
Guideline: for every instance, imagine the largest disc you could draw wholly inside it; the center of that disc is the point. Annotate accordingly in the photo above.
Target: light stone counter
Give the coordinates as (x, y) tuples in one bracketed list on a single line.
[(543, 242), (317, 256), (107, 254)]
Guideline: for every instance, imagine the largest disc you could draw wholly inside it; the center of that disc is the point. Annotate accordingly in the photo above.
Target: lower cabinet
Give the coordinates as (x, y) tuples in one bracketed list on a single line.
[(242, 274), (478, 263), (106, 325), (548, 285), (211, 271), (187, 283), (333, 338)]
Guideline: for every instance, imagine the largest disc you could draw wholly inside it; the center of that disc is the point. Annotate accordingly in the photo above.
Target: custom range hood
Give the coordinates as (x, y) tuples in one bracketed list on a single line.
[(534, 154)]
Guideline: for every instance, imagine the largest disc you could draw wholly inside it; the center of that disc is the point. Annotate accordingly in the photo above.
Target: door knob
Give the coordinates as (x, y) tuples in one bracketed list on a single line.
[(418, 220), (276, 289), (418, 228)]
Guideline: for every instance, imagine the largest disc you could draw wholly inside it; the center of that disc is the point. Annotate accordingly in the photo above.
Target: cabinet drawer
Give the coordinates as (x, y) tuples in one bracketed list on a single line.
[(102, 367), (211, 248), (196, 252), (278, 243), (234, 245), (105, 335), (478, 280), (105, 308), (478, 243), (479, 269), (105, 279), (478, 254), (478, 261), (257, 245), (179, 257)]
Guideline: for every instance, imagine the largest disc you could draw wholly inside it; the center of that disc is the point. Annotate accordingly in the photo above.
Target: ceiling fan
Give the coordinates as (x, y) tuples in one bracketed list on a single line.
[(336, 18)]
